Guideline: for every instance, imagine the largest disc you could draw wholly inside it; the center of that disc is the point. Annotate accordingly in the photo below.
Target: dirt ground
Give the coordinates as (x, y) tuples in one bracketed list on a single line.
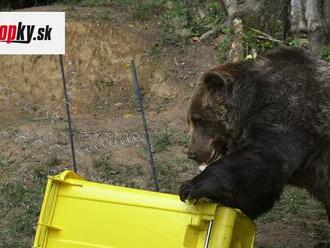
[(107, 129)]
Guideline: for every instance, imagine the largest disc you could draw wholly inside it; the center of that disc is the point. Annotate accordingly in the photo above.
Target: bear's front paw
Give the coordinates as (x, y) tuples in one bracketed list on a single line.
[(195, 190), (185, 190)]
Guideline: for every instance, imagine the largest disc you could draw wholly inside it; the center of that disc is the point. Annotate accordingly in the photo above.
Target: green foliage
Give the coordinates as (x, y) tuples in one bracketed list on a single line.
[(12, 195), (30, 203), (224, 48), (273, 25), (178, 10), (182, 139), (325, 53), (173, 18), (213, 18), (294, 42), (161, 141), (4, 163), (251, 42), (255, 41), (165, 138), (187, 19)]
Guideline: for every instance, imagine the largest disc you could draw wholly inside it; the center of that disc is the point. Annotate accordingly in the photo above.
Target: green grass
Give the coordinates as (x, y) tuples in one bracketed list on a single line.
[(183, 20), (115, 173), (168, 171), (4, 163), (161, 141), (294, 203), (296, 208), (156, 53), (214, 17), (325, 53), (294, 42), (20, 204), (317, 230), (251, 41), (180, 138), (103, 167), (224, 47)]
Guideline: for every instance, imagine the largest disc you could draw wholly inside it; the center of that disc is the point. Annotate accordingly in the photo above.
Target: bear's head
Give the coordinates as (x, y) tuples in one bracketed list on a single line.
[(209, 116)]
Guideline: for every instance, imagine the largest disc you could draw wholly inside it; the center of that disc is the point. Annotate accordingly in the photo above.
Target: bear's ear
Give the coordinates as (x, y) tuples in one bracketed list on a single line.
[(214, 82)]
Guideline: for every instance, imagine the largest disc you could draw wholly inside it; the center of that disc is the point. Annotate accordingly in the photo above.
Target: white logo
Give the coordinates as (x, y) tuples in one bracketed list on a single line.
[(32, 33)]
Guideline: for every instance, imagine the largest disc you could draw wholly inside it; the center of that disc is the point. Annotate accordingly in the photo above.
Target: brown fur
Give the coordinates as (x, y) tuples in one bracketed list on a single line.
[(269, 122)]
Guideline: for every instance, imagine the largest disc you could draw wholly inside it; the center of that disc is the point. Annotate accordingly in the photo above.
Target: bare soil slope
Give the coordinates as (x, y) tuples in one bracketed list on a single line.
[(108, 132)]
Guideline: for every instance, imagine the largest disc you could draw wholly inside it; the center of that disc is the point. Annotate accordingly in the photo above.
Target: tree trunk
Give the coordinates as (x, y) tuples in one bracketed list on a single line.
[(236, 50), (261, 14), (283, 17), (317, 19)]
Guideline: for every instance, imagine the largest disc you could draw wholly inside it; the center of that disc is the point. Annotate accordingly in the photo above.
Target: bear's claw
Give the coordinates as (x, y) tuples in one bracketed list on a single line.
[(194, 190)]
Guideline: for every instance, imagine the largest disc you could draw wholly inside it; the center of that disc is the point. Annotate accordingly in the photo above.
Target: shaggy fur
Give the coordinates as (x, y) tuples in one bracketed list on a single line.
[(261, 124)]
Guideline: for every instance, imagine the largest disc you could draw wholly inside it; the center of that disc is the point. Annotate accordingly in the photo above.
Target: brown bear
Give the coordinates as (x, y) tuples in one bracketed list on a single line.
[(260, 125)]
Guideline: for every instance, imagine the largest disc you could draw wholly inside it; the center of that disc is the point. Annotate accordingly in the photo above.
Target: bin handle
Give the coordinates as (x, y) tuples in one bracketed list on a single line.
[(208, 234)]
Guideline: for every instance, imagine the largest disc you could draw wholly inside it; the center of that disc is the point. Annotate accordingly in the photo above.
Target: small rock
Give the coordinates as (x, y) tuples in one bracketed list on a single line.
[(118, 104), (195, 39)]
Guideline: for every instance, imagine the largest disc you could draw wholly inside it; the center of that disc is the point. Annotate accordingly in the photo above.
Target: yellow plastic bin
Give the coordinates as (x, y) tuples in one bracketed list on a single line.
[(78, 213)]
